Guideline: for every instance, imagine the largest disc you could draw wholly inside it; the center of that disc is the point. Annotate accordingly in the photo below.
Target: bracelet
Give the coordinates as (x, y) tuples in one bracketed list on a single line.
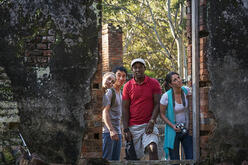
[(126, 130)]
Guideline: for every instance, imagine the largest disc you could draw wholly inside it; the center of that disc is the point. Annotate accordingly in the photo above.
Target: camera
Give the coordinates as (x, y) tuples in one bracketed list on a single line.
[(182, 127)]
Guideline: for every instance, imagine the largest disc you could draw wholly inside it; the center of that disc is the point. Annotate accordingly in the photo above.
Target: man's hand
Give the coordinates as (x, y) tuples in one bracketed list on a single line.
[(149, 127), (128, 136), (113, 135)]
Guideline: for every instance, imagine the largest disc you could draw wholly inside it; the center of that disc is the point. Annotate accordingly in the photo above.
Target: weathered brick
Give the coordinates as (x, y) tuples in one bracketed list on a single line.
[(111, 47), (111, 55), (41, 46), (36, 53), (47, 52)]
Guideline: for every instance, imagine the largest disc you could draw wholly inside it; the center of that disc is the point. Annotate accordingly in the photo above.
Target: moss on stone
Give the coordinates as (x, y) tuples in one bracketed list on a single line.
[(7, 156), (42, 104)]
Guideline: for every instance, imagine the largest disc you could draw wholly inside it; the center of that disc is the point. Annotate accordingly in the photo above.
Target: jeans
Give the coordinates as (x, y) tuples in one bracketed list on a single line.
[(111, 149), (187, 143)]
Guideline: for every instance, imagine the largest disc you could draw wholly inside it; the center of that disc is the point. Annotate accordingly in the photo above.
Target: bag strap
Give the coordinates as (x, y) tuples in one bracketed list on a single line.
[(113, 98)]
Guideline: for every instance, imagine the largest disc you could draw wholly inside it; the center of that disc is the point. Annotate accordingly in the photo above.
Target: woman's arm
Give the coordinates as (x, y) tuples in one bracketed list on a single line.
[(165, 119), (107, 122)]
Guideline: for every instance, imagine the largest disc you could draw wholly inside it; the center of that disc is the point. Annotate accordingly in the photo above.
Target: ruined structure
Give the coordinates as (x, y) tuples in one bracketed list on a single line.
[(110, 50), (223, 80), (48, 56)]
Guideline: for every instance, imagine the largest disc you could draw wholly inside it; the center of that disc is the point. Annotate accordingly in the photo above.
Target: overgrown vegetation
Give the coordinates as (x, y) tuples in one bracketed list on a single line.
[(153, 30)]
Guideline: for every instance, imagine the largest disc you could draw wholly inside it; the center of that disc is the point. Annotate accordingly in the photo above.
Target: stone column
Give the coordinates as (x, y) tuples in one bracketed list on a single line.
[(112, 50)]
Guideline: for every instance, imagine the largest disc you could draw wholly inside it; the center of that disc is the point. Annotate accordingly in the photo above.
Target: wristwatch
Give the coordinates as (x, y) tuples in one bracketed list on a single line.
[(126, 130)]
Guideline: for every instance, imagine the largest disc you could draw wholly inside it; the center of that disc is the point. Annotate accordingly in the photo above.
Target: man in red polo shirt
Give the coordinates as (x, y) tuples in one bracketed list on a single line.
[(140, 100)]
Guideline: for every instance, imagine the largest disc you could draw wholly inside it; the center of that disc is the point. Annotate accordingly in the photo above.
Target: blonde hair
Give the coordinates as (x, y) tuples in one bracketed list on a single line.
[(105, 76)]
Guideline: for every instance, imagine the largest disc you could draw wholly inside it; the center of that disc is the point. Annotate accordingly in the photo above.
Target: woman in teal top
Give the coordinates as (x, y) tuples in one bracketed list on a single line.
[(174, 111)]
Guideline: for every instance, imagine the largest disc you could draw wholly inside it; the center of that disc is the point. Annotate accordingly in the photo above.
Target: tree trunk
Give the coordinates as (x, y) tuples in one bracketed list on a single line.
[(180, 56)]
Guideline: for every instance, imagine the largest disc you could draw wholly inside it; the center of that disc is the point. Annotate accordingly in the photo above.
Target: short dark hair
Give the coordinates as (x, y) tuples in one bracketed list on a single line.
[(120, 68)]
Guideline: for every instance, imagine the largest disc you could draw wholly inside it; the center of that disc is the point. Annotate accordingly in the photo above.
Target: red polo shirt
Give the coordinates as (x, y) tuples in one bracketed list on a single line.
[(141, 99)]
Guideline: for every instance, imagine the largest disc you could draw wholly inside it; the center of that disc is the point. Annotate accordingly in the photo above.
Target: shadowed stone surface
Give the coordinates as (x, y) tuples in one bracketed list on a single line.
[(51, 97), (228, 66)]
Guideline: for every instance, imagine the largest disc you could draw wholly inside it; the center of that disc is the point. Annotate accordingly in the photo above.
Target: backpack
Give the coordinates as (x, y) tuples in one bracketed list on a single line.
[(130, 151), (113, 97)]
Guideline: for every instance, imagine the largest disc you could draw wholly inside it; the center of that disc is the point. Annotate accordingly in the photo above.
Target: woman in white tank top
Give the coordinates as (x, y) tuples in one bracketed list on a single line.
[(174, 112)]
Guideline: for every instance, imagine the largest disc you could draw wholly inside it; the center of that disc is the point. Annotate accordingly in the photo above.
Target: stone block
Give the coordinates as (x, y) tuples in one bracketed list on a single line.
[(10, 119), (5, 82), (8, 112), (8, 105), (3, 76)]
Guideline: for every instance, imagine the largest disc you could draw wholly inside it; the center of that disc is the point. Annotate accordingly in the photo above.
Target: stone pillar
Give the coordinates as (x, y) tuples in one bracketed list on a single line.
[(227, 65), (110, 56), (92, 141), (206, 119), (49, 52), (112, 51)]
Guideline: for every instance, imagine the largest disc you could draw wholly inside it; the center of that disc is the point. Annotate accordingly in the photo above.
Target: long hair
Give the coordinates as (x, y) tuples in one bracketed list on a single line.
[(167, 87)]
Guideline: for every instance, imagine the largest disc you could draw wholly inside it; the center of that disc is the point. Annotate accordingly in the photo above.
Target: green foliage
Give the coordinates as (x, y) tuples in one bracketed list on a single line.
[(147, 33), (150, 73)]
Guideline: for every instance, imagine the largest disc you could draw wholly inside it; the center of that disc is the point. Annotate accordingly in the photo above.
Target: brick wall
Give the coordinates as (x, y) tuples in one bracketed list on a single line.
[(39, 49), (110, 56), (206, 119), (111, 47), (92, 143)]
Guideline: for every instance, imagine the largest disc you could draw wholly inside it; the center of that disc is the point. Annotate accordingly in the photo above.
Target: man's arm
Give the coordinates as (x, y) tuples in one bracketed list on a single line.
[(156, 99), (107, 122), (125, 115)]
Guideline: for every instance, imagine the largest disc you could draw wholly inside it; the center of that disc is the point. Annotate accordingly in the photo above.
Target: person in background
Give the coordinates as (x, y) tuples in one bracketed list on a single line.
[(140, 109), (108, 80), (174, 112), (111, 114)]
